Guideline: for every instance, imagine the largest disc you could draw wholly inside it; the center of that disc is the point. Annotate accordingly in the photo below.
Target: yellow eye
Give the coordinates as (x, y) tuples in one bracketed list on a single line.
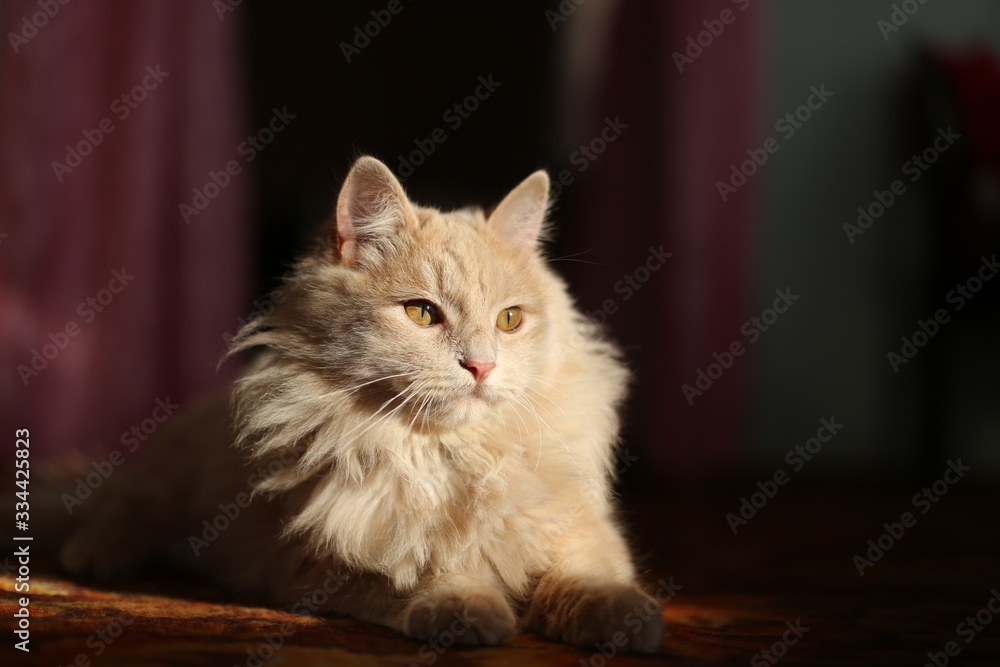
[(509, 319), (423, 313)]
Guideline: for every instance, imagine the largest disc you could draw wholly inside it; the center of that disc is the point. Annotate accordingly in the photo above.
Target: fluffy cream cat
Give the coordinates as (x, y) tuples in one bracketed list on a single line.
[(429, 418)]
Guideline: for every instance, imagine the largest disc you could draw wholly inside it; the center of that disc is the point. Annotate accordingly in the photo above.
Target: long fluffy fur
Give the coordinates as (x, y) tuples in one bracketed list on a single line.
[(375, 458)]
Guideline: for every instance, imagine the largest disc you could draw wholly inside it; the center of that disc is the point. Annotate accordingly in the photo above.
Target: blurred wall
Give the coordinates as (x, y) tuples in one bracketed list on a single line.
[(827, 356)]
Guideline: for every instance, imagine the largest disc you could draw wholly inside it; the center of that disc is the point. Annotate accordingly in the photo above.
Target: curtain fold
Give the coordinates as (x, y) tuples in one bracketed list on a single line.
[(110, 301), (692, 112)]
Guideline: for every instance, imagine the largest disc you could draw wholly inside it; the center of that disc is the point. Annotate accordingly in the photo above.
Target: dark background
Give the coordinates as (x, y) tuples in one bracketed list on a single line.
[(689, 469), (393, 93), (831, 358), (655, 185)]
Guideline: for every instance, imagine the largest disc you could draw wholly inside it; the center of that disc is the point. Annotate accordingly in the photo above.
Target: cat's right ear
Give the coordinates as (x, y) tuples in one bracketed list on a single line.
[(371, 205), (520, 217)]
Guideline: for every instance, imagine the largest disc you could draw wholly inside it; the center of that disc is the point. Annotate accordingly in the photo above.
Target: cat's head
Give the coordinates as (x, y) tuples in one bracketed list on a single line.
[(454, 314)]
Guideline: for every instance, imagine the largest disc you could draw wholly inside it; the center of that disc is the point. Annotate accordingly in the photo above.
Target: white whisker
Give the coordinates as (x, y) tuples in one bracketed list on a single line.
[(559, 407), (347, 390), (411, 390), (538, 422)]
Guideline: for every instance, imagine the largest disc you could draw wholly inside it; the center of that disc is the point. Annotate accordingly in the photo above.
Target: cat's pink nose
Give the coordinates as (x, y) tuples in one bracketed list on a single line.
[(479, 368)]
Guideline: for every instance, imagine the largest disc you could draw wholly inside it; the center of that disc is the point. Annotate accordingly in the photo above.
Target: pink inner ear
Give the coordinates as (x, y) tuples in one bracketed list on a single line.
[(519, 216), (524, 223), (345, 248), (344, 232), (371, 203)]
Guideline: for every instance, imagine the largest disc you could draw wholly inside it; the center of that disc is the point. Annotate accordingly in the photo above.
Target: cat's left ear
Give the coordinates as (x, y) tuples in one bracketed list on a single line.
[(519, 217), (372, 206)]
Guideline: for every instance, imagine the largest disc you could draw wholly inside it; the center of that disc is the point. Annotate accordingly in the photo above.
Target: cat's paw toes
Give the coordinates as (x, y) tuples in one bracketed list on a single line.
[(613, 617), (460, 617)]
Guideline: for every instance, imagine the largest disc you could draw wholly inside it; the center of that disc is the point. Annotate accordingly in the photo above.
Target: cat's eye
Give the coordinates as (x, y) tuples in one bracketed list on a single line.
[(509, 319), (422, 312)]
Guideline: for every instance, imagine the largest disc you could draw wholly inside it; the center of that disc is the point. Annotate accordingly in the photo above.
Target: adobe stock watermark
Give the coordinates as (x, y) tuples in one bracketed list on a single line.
[(231, 511), (630, 283), (266, 305), (696, 44), (7, 568), (900, 14), (962, 293), (635, 620), (924, 500), (752, 329), (223, 7), (263, 307), (364, 34), (30, 25), (436, 647), (796, 458), (967, 629), (88, 309), (565, 9), (454, 116), (786, 126), (913, 168), (98, 642), (130, 440), (587, 153), (310, 603), (121, 108), (779, 649), (582, 158), (248, 149)]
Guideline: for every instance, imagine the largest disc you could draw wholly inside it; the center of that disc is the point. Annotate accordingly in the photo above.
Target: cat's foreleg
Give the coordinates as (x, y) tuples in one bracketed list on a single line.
[(590, 596), (472, 610)]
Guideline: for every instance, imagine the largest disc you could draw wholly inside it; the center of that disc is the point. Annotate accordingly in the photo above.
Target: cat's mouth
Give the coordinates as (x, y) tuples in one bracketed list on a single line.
[(477, 395)]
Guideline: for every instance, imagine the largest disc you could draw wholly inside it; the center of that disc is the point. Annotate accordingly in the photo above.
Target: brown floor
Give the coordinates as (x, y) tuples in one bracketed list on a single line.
[(792, 563)]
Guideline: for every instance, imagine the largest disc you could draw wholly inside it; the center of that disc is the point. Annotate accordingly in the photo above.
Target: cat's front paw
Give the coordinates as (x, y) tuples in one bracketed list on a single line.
[(596, 616), (480, 616)]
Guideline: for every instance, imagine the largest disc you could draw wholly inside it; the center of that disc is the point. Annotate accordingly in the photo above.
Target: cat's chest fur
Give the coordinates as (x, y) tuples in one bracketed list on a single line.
[(410, 504)]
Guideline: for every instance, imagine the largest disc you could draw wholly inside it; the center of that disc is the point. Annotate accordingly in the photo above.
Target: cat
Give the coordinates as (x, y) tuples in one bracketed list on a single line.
[(428, 417)]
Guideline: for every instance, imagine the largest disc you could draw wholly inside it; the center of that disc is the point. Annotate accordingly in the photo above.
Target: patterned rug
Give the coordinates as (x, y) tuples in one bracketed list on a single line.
[(786, 587)]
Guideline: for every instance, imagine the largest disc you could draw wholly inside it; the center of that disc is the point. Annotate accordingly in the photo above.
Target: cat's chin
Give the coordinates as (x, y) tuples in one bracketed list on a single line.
[(465, 408)]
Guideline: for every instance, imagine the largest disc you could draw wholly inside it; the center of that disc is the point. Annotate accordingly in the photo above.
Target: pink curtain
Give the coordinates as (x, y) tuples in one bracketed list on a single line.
[(111, 303), (690, 118)]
